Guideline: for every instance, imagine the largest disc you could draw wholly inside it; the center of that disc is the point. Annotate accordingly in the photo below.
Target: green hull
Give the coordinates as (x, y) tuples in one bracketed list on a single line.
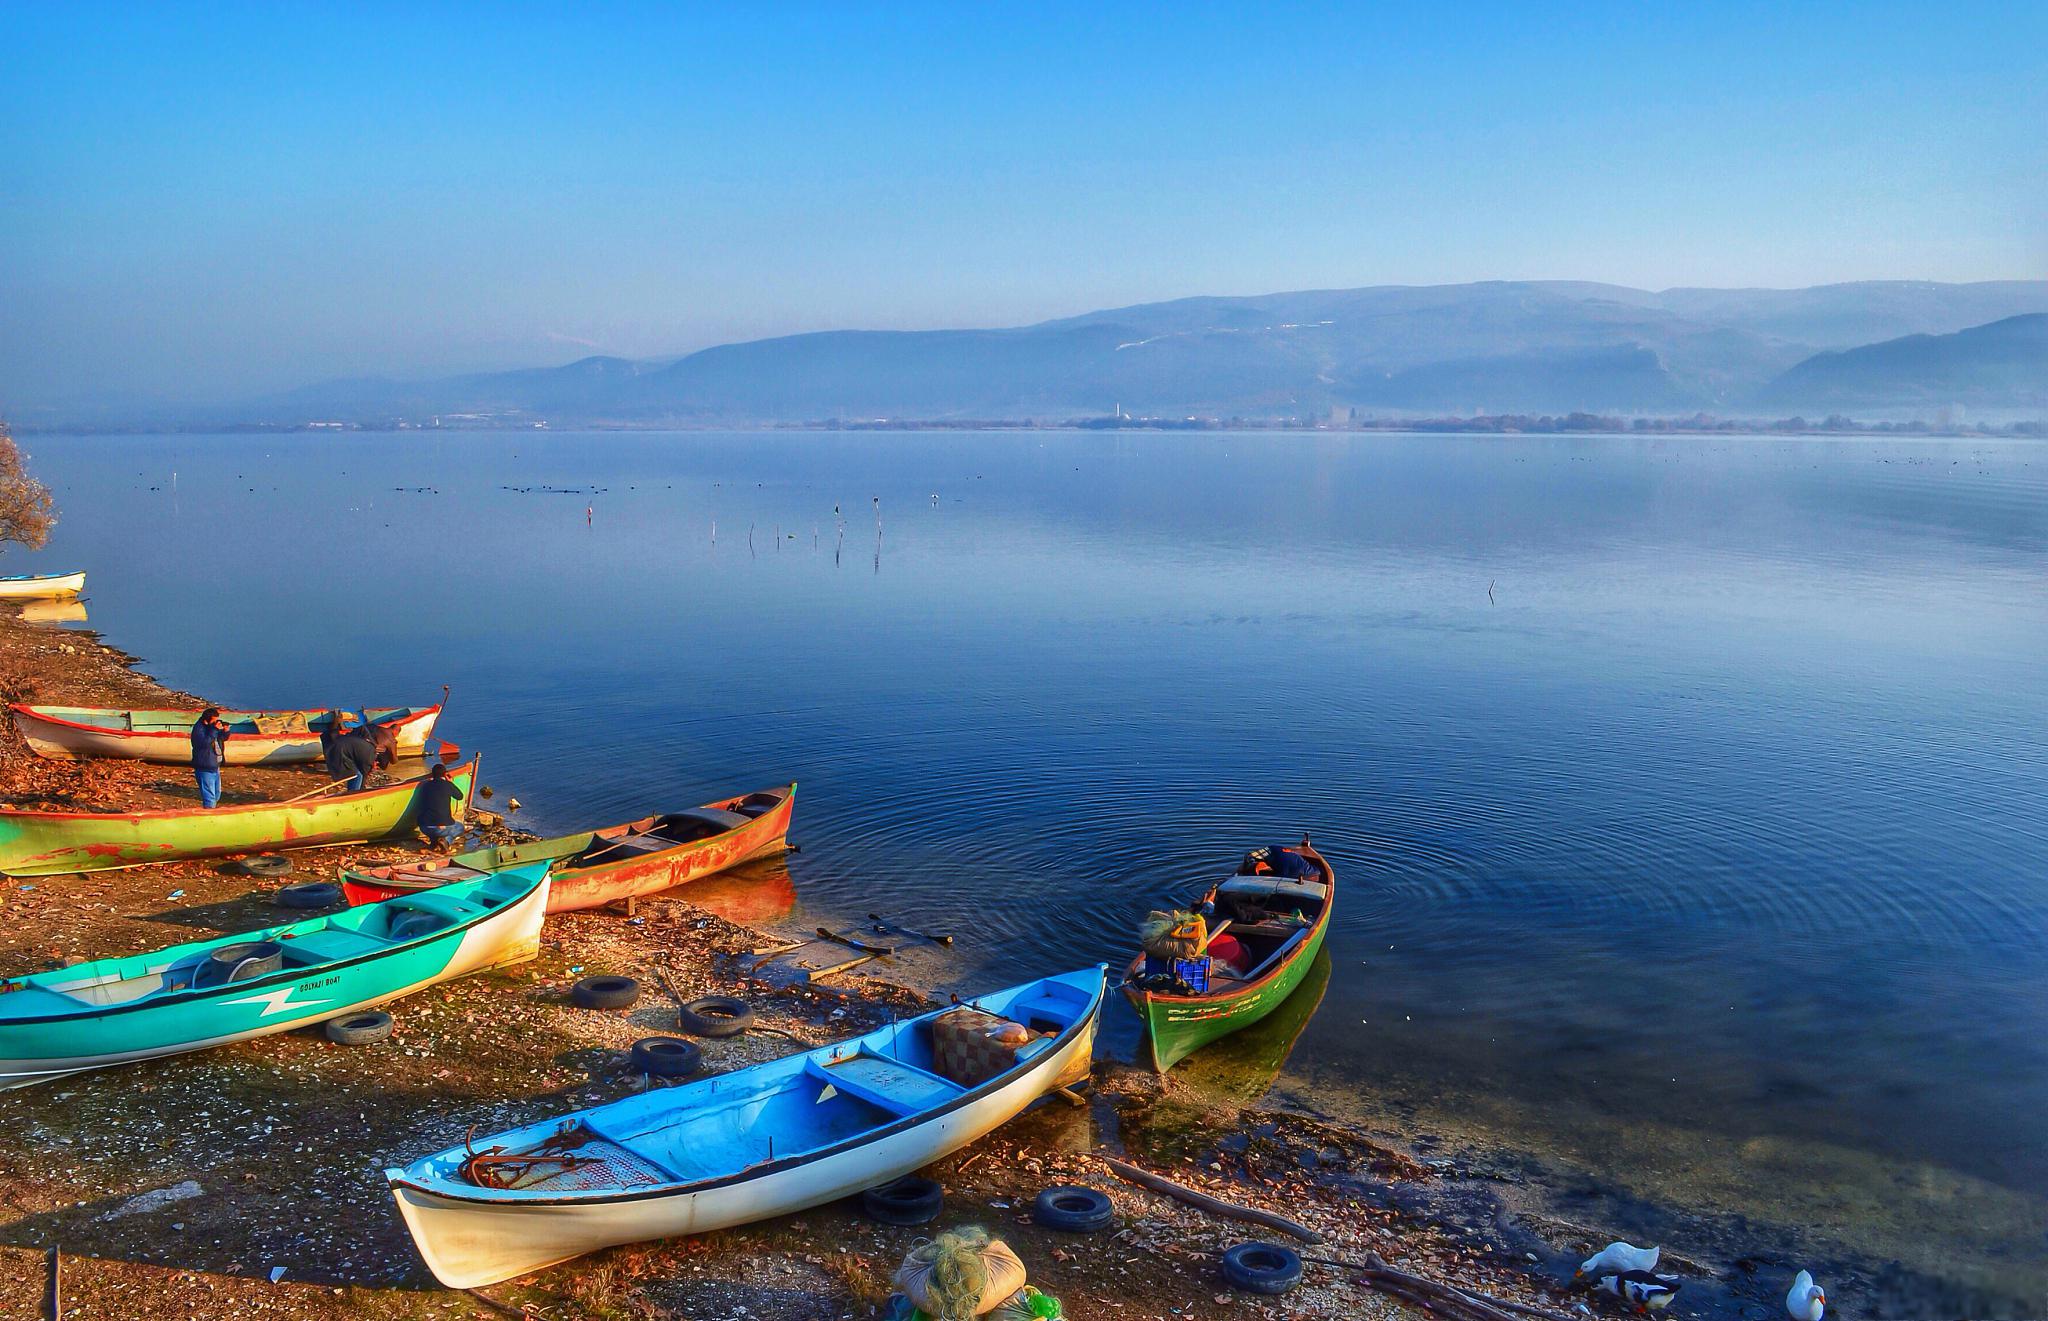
[(55, 843), (114, 1011), (1177, 1027)]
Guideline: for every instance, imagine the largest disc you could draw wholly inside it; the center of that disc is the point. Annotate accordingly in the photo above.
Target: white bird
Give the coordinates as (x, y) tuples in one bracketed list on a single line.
[(1640, 1289), (1614, 1258), (1806, 1301)]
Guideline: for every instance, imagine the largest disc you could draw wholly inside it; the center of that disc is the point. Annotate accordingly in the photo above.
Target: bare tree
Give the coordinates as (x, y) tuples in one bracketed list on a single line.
[(26, 511)]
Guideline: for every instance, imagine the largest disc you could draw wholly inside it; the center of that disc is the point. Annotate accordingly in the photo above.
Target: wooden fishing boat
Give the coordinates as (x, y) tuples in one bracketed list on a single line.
[(233, 988), (52, 843), (598, 867), (743, 1146), (34, 586), (255, 738), (1279, 922)]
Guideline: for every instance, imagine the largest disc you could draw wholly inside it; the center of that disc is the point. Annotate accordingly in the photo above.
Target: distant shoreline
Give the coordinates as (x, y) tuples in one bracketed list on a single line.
[(1505, 424)]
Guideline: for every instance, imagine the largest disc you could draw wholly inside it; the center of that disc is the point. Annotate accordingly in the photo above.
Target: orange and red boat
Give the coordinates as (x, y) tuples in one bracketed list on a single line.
[(598, 867)]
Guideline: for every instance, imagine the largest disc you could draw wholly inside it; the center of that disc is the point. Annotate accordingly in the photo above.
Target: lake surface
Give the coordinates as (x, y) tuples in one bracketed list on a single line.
[(1688, 795)]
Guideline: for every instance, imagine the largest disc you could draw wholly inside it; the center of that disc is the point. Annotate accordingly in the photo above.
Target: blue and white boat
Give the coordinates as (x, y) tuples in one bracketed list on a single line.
[(744, 1146)]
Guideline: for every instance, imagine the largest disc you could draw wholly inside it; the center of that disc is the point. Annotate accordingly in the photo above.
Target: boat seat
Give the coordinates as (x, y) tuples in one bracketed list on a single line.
[(897, 1087), (1286, 947), (442, 905), (712, 816), (330, 945), (1044, 1013)]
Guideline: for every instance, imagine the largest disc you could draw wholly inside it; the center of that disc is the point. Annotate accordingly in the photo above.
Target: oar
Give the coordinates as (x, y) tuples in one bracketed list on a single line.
[(887, 927), (1221, 927), (449, 751), (322, 789), (861, 945)]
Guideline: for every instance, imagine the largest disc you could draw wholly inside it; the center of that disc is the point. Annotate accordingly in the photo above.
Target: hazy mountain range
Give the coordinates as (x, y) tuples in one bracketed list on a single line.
[(1893, 348)]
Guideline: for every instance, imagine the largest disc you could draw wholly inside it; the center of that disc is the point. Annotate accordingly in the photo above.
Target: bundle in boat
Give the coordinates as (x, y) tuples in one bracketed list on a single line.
[(34, 843), (598, 867), (234, 988), (255, 738), (738, 1147)]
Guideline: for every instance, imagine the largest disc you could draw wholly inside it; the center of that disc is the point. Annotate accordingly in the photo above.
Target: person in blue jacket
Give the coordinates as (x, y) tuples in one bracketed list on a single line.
[(209, 741)]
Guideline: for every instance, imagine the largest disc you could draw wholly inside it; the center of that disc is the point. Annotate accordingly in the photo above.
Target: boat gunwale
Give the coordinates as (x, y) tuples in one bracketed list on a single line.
[(194, 995), (398, 1179), (208, 813), (41, 712), (1316, 931)]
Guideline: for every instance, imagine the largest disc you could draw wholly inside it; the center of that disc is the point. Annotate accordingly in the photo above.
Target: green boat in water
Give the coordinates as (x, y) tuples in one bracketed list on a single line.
[(1275, 926), (55, 843), (233, 988)]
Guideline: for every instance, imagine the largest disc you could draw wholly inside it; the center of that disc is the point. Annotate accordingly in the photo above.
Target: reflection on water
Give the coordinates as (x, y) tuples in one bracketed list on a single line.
[(1242, 1067), (65, 610), (1681, 786), (752, 893)]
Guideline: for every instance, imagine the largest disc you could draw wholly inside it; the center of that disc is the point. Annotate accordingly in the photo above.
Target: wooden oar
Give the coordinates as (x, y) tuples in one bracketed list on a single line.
[(322, 789), (889, 928), (861, 945)]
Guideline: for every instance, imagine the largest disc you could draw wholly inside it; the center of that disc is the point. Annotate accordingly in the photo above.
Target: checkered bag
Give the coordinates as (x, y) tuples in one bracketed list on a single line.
[(964, 1047)]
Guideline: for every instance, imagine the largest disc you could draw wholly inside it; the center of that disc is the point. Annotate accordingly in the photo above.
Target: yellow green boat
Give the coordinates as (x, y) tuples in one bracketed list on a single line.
[(56, 843), (1279, 921)]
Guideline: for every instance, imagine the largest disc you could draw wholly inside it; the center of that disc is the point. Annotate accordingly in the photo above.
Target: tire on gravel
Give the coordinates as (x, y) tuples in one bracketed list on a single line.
[(364, 1028), (266, 864), (308, 894), (1072, 1209), (1264, 1268), (667, 1057), (909, 1200), (716, 1016), (605, 992)]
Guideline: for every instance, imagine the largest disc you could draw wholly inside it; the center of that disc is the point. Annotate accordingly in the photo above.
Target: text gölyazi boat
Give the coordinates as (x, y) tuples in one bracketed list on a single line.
[(36, 843), (1289, 918), (255, 738), (599, 867), (35, 586), (742, 1146), (233, 988)]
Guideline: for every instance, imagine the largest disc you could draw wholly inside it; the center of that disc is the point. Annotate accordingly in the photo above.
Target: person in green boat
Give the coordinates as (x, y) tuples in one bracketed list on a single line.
[(437, 796), (209, 742)]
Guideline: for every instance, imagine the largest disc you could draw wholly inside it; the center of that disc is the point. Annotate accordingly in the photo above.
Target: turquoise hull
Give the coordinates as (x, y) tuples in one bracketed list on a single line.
[(114, 1011)]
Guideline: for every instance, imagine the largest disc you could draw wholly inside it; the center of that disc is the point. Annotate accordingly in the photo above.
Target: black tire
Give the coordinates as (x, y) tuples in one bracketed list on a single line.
[(1264, 1268), (905, 1201), (365, 1028), (605, 992), (266, 864), (716, 1016), (667, 1057), (309, 894), (1072, 1209)]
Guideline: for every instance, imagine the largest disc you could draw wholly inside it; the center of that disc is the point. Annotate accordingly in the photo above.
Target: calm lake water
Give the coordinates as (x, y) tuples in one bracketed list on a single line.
[(1688, 795)]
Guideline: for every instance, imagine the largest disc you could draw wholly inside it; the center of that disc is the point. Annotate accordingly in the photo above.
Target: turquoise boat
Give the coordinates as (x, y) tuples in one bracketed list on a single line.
[(234, 988)]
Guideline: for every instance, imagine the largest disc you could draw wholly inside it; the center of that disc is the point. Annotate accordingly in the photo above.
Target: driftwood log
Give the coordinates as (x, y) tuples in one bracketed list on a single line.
[(1213, 1205)]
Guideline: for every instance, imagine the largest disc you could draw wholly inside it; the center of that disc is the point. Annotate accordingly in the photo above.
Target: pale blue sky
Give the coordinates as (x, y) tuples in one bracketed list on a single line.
[(215, 200)]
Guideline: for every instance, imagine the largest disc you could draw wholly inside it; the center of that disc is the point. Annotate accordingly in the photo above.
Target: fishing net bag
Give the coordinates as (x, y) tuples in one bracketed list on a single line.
[(959, 1275)]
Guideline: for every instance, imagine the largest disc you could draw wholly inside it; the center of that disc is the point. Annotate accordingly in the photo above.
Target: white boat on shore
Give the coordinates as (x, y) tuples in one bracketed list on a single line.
[(37, 586), (740, 1147), (255, 738)]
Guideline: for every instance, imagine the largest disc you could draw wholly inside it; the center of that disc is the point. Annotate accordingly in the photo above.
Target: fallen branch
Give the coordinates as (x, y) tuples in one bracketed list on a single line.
[(1213, 1205), (503, 1309)]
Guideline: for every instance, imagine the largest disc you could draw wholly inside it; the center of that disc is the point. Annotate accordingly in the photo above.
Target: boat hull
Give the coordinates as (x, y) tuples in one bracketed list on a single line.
[(53, 734), (57, 843), (1177, 1026), (471, 1242), (38, 586), (593, 887), (37, 1050)]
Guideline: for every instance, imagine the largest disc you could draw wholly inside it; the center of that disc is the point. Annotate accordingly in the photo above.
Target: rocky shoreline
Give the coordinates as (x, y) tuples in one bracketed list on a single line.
[(247, 1180)]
